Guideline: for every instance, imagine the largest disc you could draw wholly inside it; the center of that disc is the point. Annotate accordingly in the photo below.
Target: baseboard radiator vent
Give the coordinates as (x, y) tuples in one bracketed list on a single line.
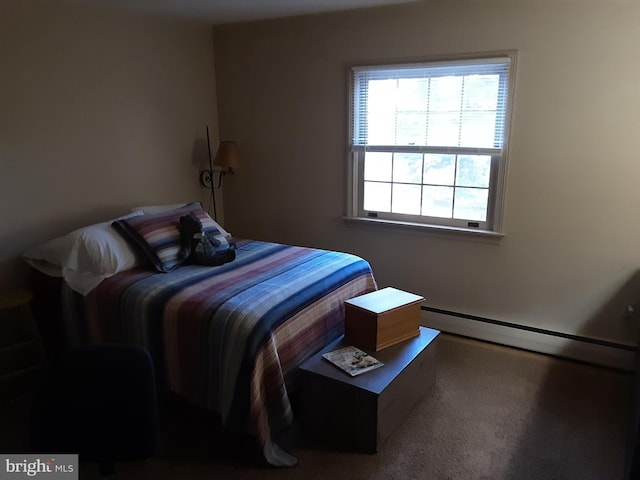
[(584, 349)]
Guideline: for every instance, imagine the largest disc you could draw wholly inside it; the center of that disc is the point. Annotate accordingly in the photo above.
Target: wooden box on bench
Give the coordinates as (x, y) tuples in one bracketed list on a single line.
[(382, 318)]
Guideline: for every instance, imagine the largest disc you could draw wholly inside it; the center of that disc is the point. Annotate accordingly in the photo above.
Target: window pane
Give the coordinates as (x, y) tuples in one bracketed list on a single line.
[(381, 129), (382, 95), (481, 92), (411, 120), (413, 94), (377, 196), (446, 94), (411, 128), (478, 129), (381, 108), (471, 204), (406, 199), (473, 171), (443, 129), (439, 169), (407, 167), (377, 166), (437, 201)]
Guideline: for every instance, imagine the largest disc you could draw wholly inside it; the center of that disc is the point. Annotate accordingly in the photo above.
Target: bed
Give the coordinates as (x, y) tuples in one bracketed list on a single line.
[(228, 338)]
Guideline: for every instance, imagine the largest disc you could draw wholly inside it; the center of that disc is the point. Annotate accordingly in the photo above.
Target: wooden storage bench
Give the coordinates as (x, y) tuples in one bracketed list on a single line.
[(362, 412)]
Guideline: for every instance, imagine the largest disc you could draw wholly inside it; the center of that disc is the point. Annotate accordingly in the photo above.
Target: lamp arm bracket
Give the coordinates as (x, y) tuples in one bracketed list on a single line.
[(206, 178)]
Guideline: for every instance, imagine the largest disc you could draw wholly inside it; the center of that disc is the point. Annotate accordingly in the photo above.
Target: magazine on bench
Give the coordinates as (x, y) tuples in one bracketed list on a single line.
[(352, 360)]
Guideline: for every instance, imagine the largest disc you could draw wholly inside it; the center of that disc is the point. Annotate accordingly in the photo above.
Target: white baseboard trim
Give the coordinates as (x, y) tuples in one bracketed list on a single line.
[(622, 357)]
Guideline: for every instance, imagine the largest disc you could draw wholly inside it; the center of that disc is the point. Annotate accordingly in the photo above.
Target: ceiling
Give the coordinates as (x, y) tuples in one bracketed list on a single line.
[(218, 12)]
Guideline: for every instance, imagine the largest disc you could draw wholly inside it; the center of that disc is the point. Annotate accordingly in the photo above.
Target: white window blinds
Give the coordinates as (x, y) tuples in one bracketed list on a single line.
[(461, 103)]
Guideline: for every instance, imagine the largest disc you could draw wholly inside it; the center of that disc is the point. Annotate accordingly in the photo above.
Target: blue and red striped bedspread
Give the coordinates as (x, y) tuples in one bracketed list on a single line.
[(229, 338)]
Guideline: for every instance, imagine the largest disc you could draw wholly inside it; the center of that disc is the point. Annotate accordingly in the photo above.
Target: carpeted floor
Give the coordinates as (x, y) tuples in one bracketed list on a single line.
[(493, 413)]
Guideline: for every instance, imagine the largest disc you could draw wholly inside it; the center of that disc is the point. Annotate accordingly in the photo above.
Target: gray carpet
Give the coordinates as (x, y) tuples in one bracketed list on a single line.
[(493, 413)]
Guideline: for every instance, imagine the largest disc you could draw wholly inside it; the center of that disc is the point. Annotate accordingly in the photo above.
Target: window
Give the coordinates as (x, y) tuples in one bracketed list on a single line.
[(428, 142)]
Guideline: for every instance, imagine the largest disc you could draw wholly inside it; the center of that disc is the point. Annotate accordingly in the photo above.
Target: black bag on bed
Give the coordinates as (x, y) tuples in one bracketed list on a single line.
[(205, 248)]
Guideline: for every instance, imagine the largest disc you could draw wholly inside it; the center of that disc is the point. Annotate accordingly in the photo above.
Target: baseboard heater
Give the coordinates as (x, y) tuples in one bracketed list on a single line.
[(585, 349)]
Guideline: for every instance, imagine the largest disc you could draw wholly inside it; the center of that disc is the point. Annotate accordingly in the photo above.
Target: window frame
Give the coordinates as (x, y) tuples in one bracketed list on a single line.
[(494, 224)]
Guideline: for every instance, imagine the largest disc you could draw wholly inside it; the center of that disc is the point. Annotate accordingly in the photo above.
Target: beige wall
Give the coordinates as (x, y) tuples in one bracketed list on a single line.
[(98, 113), (572, 244)]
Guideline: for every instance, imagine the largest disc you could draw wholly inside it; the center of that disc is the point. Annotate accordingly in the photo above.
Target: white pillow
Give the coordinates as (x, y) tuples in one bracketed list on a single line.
[(85, 256)]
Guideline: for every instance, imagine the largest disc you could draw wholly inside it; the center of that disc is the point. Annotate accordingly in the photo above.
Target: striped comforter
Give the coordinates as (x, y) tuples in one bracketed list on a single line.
[(229, 338)]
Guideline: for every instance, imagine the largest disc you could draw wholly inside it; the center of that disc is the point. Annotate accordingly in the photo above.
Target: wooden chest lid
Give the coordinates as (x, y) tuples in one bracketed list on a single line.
[(383, 300)]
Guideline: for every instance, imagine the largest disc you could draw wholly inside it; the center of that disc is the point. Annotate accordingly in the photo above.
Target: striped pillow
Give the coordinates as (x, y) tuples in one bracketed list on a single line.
[(158, 235)]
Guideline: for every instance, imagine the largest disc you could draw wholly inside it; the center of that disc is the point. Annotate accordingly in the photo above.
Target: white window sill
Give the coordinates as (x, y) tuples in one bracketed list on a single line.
[(469, 233)]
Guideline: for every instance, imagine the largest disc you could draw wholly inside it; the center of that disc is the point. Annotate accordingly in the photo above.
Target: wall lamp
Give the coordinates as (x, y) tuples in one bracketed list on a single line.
[(224, 163), (227, 158)]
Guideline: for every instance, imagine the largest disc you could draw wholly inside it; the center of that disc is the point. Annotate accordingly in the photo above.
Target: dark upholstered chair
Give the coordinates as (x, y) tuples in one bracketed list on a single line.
[(100, 402)]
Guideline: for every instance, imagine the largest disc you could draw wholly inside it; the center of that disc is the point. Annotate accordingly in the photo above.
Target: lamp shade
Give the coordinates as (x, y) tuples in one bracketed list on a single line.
[(227, 156)]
